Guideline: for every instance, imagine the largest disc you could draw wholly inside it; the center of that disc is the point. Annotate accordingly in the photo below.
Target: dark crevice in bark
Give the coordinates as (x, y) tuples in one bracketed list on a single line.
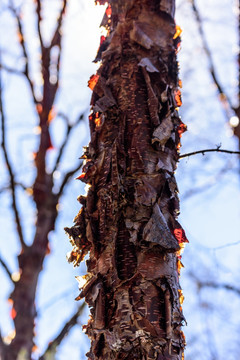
[(126, 260)]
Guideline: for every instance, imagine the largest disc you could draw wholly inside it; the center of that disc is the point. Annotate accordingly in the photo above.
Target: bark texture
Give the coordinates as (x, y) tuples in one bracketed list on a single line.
[(127, 222)]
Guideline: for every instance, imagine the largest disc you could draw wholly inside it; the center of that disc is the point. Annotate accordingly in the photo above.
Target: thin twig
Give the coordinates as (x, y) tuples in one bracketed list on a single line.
[(208, 150), (226, 245), (50, 87), (11, 70), (49, 92), (23, 45), (57, 36), (208, 184), (10, 172), (6, 268), (57, 40), (67, 177), (67, 136), (61, 150), (39, 19), (214, 285), (8, 187), (210, 59), (227, 105), (64, 331), (5, 188), (54, 299)]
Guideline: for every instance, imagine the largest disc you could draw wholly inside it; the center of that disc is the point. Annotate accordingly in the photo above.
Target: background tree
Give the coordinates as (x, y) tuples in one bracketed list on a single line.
[(44, 184)]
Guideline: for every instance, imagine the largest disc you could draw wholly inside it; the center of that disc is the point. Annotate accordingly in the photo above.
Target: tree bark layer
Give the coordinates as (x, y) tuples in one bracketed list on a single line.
[(127, 222)]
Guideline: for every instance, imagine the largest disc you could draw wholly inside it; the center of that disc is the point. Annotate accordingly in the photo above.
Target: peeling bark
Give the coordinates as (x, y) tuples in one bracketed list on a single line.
[(127, 222)]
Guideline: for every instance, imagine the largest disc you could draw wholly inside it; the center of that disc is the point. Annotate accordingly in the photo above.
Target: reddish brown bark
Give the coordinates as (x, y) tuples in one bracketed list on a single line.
[(128, 219)]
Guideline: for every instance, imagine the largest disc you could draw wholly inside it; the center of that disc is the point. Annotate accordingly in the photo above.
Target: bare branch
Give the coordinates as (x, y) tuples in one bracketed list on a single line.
[(10, 173), (57, 36), (223, 96), (64, 331), (57, 297), (21, 185), (50, 86), (227, 105), (6, 268), (67, 136), (23, 46), (67, 177), (56, 40), (11, 70), (201, 284), (39, 19), (208, 150), (8, 187), (4, 189), (49, 92), (226, 245), (211, 284), (209, 183)]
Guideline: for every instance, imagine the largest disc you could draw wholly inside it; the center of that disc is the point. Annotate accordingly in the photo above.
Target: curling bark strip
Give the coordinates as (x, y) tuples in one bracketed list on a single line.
[(127, 222)]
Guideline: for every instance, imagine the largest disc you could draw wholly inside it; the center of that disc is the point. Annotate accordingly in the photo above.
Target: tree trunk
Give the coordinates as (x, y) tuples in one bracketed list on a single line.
[(31, 257), (128, 219)]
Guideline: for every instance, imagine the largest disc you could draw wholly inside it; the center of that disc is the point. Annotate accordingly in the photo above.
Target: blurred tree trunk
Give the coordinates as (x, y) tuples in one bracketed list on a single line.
[(44, 198), (128, 219)]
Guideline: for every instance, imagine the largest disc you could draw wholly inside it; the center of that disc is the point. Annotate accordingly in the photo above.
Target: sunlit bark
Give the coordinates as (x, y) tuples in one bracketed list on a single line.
[(128, 219)]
